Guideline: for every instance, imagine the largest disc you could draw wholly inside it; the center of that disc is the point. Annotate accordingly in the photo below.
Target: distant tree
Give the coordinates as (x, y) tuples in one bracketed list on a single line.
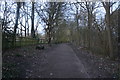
[(51, 15)]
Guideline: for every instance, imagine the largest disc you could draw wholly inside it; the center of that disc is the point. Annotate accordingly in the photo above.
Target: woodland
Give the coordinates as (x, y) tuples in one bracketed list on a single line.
[(92, 26)]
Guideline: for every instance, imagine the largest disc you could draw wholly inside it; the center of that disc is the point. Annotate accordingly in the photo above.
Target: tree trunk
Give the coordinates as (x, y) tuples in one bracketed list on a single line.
[(16, 22), (32, 20), (27, 23), (107, 17), (49, 34), (109, 34), (89, 26), (25, 26)]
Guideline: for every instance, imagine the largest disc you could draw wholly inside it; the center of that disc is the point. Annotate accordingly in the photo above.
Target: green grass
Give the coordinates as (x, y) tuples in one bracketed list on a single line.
[(24, 41)]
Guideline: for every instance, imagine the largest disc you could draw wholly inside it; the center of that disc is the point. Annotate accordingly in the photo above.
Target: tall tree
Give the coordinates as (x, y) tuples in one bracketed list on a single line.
[(32, 21), (107, 6), (77, 21), (16, 21), (89, 7)]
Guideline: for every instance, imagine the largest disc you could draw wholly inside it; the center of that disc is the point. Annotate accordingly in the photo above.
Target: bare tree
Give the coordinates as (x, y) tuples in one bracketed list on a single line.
[(53, 14), (32, 21), (107, 6), (16, 21)]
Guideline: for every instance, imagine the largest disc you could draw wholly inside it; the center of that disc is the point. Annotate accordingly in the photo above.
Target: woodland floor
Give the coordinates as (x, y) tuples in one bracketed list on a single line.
[(58, 61)]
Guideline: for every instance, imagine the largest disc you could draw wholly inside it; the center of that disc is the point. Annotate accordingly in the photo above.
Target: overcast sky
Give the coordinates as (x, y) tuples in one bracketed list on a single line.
[(101, 13)]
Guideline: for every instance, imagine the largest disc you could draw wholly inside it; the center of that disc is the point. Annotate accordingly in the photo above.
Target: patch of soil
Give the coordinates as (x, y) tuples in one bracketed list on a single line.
[(21, 62), (97, 66)]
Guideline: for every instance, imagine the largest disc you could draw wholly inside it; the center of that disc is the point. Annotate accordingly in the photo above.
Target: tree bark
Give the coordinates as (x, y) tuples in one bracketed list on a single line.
[(16, 22), (32, 20), (27, 23), (107, 17)]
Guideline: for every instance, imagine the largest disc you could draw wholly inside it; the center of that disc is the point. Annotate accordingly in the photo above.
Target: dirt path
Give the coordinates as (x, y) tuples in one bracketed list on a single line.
[(60, 62), (63, 63)]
